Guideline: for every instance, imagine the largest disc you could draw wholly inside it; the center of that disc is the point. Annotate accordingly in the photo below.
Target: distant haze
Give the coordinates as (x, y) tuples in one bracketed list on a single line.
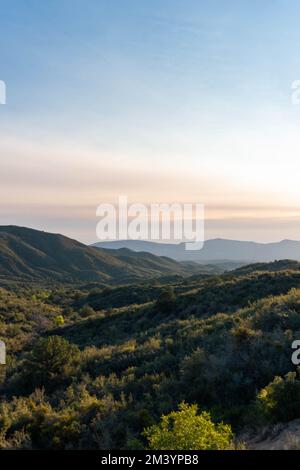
[(216, 250), (163, 101)]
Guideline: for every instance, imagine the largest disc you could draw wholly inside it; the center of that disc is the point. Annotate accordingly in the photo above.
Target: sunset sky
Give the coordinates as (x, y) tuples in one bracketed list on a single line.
[(165, 101)]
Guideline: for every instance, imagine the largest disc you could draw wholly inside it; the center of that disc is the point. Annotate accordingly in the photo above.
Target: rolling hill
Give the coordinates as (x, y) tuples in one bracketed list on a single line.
[(32, 255)]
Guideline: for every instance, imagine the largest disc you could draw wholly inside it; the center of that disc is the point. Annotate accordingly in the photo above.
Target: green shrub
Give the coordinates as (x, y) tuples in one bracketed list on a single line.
[(187, 430), (59, 320), (280, 400)]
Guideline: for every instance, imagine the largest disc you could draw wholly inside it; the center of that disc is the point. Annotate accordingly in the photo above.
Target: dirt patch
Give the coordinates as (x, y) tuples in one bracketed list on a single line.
[(280, 437)]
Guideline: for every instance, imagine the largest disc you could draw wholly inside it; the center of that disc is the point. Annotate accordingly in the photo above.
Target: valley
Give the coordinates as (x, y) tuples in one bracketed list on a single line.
[(93, 362)]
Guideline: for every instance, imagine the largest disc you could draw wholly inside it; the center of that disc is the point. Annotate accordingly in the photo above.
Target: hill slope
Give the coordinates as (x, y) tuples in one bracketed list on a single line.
[(223, 343), (27, 254)]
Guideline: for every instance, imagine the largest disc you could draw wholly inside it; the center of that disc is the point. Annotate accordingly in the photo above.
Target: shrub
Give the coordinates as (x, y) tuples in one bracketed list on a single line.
[(280, 400), (59, 320), (166, 301), (186, 430)]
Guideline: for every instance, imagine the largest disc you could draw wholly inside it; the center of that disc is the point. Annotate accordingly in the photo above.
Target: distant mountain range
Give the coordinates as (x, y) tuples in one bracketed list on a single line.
[(32, 255), (217, 250)]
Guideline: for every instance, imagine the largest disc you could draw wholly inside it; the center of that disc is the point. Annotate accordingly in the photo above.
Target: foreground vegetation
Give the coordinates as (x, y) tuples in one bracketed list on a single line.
[(98, 367)]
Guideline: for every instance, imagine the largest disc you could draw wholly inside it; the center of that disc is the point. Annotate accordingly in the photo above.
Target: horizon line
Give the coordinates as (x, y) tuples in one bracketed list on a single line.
[(148, 240)]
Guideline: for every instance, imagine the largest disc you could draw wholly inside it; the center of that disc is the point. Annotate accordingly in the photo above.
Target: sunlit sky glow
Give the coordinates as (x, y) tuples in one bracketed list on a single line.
[(164, 101)]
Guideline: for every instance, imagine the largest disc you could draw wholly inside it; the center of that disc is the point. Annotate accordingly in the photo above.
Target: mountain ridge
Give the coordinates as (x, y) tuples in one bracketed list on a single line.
[(29, 254), (215, 250)]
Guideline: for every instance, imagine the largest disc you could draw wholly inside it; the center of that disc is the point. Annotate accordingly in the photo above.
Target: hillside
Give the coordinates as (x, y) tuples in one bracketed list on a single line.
[(32, 255), (217, 250), (125, 355)]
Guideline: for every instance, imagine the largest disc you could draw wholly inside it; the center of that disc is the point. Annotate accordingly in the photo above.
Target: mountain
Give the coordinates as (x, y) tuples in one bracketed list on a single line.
[(27, 254), (217, 250)]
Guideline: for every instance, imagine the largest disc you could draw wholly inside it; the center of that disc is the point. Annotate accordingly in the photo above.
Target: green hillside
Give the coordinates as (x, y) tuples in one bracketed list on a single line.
[(94, 367), (32, 255)]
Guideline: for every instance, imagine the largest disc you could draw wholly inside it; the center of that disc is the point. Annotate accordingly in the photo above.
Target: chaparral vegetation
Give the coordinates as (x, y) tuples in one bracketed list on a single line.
[(171, 362)]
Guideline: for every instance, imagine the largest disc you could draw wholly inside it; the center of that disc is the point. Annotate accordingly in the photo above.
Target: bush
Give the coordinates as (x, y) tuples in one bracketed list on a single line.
[(166, 301), (59, 320), (280, 400), (186, 430)]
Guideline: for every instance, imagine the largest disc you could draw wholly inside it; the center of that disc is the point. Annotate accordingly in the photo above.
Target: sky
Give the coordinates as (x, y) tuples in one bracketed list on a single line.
[(163, 101)]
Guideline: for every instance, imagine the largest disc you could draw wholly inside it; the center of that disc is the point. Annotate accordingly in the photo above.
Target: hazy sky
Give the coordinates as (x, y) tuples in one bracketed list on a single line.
[(163, 100)]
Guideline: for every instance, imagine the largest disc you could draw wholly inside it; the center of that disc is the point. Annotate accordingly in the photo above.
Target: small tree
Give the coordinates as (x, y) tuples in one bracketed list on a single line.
[(186, 430), (50, 359), (166, 301)]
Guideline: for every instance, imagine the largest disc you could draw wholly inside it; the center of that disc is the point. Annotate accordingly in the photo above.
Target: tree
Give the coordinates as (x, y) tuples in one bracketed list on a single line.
[(185, 429), (51, 358), (166, 301)]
